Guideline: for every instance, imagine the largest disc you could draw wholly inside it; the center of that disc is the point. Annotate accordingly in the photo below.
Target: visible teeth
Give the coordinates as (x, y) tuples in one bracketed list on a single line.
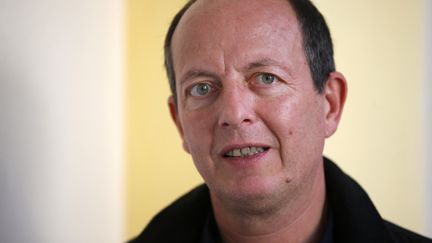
[(247, 151), (236, 152)]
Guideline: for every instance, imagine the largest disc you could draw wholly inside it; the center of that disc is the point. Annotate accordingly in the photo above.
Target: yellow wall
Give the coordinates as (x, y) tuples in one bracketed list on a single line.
[(378, 46), (157, 168)]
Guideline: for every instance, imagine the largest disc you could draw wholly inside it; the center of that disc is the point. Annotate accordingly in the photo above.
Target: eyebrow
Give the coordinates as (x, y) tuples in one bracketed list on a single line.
[(265, 62), (197, 73)]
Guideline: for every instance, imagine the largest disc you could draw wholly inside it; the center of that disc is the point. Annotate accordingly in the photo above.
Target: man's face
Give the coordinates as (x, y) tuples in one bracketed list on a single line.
[(248, 112)]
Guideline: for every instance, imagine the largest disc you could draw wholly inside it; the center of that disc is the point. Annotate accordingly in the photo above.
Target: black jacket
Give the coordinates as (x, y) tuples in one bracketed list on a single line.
[(355, 218)]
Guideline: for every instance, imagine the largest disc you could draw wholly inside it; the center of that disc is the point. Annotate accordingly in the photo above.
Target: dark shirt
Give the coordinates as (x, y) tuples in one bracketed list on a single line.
[(210, 233), (354, 217), (328, 233)]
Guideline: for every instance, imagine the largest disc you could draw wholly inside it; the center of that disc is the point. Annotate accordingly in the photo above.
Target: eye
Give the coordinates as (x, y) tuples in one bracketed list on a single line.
[(266, 78), (200, 89)]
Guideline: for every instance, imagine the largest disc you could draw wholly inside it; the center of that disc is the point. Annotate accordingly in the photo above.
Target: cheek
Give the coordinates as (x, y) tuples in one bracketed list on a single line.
[(199, 138), (309, 129), (284, 117), (197, 133), (298, 125)]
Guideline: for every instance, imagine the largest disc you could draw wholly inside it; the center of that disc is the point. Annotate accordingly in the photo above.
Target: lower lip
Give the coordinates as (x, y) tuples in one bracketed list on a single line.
[(248, 161)]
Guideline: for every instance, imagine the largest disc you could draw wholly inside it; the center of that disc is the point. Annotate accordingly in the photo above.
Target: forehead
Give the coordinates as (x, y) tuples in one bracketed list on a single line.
[(226, 22), (242, 11), (240, 27)]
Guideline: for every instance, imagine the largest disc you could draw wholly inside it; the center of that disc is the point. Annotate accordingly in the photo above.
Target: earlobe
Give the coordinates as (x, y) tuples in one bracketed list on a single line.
[(174, 116), (335, 92)]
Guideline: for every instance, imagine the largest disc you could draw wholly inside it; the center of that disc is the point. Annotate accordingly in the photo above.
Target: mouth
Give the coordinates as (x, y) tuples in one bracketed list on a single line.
[(244, 152)]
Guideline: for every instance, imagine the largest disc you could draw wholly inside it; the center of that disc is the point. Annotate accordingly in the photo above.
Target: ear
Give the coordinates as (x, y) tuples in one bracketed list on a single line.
[(174, 116), (335, 92)]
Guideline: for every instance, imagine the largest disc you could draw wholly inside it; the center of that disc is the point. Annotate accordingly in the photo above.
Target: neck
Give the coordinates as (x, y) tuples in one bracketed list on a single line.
[(301, 219)]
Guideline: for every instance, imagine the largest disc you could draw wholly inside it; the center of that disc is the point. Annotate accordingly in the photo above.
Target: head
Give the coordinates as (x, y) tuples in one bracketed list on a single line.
[(246, 101)]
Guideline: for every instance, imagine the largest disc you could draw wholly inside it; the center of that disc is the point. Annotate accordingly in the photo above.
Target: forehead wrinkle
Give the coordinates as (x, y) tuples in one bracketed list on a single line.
[(265, 62)]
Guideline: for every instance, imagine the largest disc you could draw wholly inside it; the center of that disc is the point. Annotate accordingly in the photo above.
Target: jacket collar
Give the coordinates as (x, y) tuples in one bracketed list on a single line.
[(355, 217)]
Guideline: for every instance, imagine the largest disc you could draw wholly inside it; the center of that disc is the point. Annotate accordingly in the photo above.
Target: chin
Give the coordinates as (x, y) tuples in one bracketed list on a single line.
[(250, 191)]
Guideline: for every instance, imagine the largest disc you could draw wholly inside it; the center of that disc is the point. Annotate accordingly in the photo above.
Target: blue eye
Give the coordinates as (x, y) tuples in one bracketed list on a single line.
[(200, 89), (266, 78)]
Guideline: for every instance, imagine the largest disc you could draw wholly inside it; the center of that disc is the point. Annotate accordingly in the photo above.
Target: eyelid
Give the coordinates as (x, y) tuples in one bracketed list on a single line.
[(189, 88), (254, 77)]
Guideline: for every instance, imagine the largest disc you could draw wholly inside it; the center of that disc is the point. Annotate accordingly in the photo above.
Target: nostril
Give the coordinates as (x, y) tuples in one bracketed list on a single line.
[(228, 124), (247, 120)]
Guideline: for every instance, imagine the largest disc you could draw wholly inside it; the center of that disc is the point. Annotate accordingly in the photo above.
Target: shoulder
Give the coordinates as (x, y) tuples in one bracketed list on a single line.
[(355, 217), (182, 221), (403, 235)]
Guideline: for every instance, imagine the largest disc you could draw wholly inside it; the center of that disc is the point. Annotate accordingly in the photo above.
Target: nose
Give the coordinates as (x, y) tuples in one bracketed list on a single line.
[(236, 108)]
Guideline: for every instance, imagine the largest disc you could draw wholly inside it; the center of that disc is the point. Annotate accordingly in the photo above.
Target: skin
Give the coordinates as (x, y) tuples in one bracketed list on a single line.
[(232, 48)]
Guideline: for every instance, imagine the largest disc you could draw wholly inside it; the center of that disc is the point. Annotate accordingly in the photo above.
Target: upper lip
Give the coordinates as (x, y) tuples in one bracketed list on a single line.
[(228, 148)]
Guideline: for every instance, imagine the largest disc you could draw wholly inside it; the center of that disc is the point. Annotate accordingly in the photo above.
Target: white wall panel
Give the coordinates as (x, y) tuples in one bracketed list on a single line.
[(61, 121)]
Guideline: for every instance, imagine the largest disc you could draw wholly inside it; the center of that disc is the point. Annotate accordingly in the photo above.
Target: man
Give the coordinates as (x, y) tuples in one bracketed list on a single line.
[(254, 96)]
